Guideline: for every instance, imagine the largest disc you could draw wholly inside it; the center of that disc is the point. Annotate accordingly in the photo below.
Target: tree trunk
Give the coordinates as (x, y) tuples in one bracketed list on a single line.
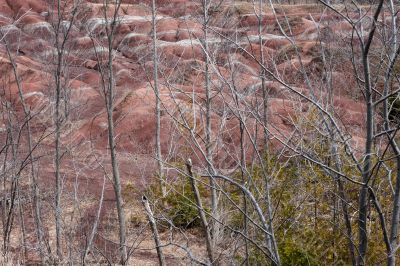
[(158, 102), (154, 230), (200, 209)]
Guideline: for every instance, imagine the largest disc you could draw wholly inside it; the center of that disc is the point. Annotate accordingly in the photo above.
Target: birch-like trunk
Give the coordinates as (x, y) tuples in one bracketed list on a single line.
[(158, 101), (111, 135), (208, 129)]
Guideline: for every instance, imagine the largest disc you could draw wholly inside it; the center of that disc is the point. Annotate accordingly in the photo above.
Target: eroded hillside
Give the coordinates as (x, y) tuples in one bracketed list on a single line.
[(274, 73)]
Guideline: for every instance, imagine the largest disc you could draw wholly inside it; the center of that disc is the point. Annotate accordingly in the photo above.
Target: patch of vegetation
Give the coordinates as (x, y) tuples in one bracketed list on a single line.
[(288, 24), (179, 205), (287, 52), (256, 257), (394, 108), (293, 254), (128, 191), (245, 8)]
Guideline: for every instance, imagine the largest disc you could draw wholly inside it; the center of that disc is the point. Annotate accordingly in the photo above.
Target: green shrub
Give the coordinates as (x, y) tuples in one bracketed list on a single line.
[(183, 211), (292, 254), (179, 205), (257, 258)]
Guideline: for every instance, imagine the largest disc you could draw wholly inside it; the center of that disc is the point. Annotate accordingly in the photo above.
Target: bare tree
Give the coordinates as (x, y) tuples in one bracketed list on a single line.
[(158, 100), (154, 230), (61, 37), (31, 154), (201, 211), (106, 69)]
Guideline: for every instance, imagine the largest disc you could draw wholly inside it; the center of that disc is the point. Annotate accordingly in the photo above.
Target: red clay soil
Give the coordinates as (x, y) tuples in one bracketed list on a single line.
[(27, 28)]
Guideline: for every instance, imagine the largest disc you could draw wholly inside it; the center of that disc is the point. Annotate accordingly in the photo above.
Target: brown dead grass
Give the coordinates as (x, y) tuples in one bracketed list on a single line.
[(286, 53), (244, 8)]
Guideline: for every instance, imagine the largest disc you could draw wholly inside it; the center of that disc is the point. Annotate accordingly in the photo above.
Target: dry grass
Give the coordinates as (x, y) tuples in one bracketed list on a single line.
[(8, 260), (287, 52), (298, 6), (244, 8)]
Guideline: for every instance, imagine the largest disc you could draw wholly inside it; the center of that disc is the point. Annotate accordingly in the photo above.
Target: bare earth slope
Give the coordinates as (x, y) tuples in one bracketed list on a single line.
[(26, 26)]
